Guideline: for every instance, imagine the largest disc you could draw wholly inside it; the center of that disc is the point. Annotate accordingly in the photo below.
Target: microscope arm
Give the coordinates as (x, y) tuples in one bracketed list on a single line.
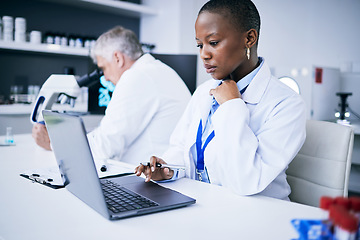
[(57, 85)]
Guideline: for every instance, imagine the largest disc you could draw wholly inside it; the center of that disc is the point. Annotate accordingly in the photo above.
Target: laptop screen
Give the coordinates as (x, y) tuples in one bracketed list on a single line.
[(73, 155)]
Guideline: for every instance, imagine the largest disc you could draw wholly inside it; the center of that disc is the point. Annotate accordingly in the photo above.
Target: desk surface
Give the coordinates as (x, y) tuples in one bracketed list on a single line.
[(33, 211), (355, 124)]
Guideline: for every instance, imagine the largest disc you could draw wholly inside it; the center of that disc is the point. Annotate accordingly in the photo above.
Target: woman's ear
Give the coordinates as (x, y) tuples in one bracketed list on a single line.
[(251, 38), (119, 59)]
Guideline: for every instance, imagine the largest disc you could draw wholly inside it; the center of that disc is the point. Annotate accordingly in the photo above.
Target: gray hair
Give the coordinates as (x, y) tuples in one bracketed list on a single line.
[(117, 39)]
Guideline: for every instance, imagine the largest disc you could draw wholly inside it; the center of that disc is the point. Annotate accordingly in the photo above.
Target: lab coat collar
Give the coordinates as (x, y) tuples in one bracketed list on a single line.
[(258, 85), (143, 59), (140, 61)]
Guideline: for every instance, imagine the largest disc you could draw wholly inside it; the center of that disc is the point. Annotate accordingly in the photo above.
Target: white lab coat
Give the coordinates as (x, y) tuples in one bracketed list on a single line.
[(256, 137), (146, 105)]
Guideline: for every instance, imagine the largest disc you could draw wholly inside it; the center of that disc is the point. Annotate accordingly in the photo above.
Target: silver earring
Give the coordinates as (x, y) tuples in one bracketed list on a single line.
[(248, 53)]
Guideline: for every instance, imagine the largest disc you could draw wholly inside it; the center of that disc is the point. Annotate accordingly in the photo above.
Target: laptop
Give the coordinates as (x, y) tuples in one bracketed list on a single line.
[(115, 197)]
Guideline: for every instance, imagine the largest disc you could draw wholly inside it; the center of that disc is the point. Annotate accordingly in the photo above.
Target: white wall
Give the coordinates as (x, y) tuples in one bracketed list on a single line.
[(307, 33), (172, 30), (295, 35)]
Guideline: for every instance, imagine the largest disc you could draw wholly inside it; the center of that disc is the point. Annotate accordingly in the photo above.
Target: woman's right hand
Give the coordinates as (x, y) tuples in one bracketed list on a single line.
[(153, 172), (226, 91)]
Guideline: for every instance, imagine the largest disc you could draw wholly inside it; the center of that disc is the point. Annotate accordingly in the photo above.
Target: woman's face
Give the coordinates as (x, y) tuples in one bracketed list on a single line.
[(222, 48)]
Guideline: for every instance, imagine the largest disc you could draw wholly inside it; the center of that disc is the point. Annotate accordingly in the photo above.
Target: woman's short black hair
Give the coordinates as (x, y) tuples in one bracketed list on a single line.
[(242, 13)]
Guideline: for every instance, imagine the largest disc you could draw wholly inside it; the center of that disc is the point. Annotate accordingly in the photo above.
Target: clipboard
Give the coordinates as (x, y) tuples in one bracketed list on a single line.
[(52, 178), (47, 176), (43, 179)]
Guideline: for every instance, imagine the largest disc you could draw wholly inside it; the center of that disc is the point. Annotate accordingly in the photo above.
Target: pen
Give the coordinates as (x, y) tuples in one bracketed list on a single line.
[(164, 165), (103, 168), (104, 165)]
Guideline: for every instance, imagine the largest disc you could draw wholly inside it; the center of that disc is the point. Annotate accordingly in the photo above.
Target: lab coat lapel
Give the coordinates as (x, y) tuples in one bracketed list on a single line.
[(205, 104), (258, 85), (202, 112), (205, 109)]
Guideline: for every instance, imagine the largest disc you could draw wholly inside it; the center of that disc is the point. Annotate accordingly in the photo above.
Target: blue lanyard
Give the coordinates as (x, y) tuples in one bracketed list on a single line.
[(200, 165)]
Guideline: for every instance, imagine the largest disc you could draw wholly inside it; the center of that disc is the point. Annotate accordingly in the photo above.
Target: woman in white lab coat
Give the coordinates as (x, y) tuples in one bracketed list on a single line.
[(242, 128)]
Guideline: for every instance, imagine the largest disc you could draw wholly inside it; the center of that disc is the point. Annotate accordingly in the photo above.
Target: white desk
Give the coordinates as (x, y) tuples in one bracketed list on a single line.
[(33, 211), (355, 124)]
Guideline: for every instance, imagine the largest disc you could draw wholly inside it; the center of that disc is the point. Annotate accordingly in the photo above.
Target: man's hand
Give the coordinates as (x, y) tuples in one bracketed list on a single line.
[(40, 134), (153, 172), (226, 91)]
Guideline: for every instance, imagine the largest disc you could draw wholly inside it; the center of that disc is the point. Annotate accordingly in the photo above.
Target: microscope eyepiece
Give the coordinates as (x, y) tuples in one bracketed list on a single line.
[(90, 78)]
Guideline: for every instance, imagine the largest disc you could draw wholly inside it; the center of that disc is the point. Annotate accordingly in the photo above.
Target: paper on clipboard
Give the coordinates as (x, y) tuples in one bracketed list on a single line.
[(51, 177), (48, 176)]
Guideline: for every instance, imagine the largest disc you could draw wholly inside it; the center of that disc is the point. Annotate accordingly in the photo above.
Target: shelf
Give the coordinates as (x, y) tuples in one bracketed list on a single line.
[(16, 109), (44, 48), (112, 6)]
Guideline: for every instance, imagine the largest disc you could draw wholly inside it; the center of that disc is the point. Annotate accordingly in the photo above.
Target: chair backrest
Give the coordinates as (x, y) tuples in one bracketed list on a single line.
[(322, 166)]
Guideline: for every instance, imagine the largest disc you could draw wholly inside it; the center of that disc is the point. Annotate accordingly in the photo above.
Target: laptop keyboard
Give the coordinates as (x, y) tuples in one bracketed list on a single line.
[(120, 199)]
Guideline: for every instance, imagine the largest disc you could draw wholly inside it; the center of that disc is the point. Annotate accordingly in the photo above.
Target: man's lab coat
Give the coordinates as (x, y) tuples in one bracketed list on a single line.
[(145, 107), (256, 137)]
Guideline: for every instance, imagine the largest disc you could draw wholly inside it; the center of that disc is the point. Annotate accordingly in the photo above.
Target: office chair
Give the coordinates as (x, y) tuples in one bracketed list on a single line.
[(322, 166)]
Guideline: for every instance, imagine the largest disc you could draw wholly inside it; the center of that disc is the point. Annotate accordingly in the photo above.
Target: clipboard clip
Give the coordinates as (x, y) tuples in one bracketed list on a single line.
[(36, 178), (48, 177)]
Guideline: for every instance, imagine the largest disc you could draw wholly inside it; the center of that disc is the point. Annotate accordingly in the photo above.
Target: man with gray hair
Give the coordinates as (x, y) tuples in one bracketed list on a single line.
[(148, 100)]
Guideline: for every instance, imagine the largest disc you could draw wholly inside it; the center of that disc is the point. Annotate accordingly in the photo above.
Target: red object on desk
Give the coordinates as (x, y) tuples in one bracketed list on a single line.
[(325, 202), (342, 201)]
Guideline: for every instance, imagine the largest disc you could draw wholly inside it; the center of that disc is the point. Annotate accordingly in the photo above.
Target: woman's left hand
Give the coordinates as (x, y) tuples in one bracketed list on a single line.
[(226, 91)]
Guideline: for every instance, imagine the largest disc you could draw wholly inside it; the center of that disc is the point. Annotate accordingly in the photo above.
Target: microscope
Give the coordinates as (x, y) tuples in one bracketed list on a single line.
[(343, 114), (63, 89)]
